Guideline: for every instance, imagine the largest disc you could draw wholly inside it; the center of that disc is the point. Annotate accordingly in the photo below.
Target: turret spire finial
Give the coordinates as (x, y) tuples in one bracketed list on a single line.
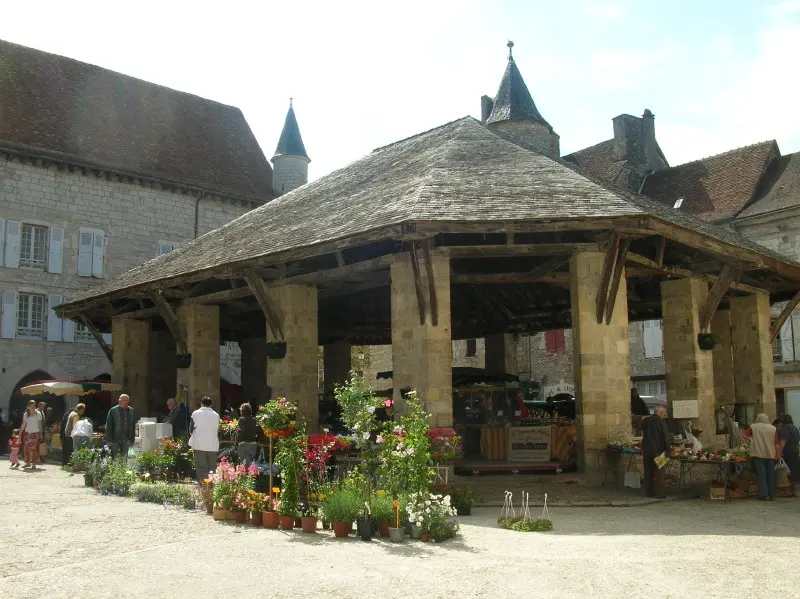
[(290, 101), (510, 45)]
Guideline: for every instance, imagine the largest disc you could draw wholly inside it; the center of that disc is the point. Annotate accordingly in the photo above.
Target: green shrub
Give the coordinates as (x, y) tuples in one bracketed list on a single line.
[(80, 460), (525, 524), (341, 505), (381, 508), (165, 493)]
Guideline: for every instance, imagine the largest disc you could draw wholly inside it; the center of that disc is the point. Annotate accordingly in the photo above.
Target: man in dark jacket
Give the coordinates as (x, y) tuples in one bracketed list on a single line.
[(655, 441), (121, 427)]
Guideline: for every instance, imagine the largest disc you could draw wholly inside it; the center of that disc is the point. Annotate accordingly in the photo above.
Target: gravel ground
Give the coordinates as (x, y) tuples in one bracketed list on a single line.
[(71, 542)]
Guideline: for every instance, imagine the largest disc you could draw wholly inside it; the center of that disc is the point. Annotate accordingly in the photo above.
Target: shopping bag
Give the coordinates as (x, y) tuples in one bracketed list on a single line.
[(781, 465), (633, 480), (42, 449)]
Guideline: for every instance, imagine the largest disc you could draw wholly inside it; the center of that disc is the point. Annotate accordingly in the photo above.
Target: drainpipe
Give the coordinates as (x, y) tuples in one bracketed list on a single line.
[(197, 215)]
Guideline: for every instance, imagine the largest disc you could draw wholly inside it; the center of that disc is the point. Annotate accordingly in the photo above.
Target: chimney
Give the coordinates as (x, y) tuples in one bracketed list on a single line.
[(650, 146), (627, 138), (486, 108)]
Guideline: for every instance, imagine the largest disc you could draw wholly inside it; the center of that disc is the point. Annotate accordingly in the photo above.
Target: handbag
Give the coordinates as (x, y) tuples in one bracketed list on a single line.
[(42, 449)]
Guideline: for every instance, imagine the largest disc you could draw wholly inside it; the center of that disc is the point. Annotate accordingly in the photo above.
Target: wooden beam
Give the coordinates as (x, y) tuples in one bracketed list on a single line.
[(98, 336), (605, 280), (662, 246), (675, 271), (501, 251), (548, 266), (340, 272), (259, 289), (169, 316), (619, 266), (508, 278), (718, 291), (785, 313), (339, 258), (417, 282), (433, 303)]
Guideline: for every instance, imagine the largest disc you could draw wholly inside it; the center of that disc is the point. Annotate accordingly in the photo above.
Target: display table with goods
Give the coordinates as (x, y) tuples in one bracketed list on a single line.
[(629, 450)]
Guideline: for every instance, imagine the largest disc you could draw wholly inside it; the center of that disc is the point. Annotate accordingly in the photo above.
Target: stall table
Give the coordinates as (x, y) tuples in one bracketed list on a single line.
[(685, 473)]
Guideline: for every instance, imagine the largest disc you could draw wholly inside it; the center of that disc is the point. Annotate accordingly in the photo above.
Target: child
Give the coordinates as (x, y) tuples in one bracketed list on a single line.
[(13, 445)]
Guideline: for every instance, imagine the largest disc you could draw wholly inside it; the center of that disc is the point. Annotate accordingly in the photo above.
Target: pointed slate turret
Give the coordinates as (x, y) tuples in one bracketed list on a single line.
[(514, 114), (513, 101), (291, 142), (290, 162)]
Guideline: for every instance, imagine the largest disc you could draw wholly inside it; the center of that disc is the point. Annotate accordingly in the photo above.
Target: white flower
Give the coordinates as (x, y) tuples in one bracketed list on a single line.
[(410, 451), (356, 426), (379, 439), (371, 409), (326, 430), (366, 435)]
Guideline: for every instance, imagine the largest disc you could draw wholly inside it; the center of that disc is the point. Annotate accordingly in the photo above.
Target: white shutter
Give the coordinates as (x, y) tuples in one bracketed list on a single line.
[(85, 246), (8, 329), (2, 239), (67, 330), (56, 250), (658, 338), (107, 338), (13, 229), (647, 338), (97, 255), (53, 321), (787, 342)]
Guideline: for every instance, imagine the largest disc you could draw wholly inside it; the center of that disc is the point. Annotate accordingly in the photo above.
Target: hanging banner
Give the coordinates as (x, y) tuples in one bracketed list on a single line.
[(560, 387), (529, 443)]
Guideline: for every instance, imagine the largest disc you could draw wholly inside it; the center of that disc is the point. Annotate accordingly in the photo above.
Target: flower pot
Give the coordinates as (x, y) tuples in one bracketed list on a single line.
[(364, 527), (383, 528), (230, 515), (425, 537), (241, 517), (342, 529), (326, 525), (209, 507), (219, 514), (287, 522), (308, 523), (416, 531), (269, 519), (88, 480), (255, 518), (396, 535), (706, 341), (465, 511)]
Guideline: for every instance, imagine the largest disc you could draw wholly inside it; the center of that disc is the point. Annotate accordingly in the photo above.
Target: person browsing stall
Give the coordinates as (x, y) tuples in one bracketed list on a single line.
[(121, 427), (655, 441), (204, 438)]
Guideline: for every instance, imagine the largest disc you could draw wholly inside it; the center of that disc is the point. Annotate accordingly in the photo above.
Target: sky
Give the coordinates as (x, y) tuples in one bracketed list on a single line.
[(718, 74)]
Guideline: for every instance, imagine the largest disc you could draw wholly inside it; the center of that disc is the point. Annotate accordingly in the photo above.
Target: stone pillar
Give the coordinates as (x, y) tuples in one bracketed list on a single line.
[(130, 339), (163, 370), (501, 353), (337, 359), (602, 362), (254, 369), (689, 370), (295, 376), (422, 354), (201, 325), (754, 373), (722, 356)]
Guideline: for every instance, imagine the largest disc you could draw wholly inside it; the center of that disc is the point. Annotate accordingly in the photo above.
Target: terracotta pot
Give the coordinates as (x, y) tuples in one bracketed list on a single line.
[(297, 523), (287, 522), (383, 528), (308, 523), (342, 529), (255, 518), (425, 537), (269, 519), (219, 514), (209, 507), (230, 515), (241, 517)]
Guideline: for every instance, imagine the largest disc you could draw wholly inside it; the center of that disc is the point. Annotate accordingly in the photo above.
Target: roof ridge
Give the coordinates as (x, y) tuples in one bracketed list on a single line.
[(119, 74), (600, 143), (721, 154), (399, 141)]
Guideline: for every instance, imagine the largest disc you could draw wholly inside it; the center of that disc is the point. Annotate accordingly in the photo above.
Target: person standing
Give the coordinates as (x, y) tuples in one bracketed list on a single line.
[(66, 438), (655, 441), (204, 439), (80, 428), (249, 434), (764, 449), (176, 417), (789, 437), (121, 427), (31, 430)]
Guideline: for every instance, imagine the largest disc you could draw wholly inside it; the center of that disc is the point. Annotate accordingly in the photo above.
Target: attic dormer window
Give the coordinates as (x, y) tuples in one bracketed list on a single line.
[(678, 203)]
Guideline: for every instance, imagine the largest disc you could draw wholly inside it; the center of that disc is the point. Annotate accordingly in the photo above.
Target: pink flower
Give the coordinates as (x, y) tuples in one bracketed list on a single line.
[(388, 403)]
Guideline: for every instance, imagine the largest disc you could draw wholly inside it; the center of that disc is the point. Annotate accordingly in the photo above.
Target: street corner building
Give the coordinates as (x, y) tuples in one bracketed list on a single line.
[(474, 229)]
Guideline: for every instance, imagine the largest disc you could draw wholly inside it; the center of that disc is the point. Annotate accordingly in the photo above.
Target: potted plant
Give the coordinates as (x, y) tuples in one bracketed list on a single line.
[(308, 518), (396, 532), (254, 502), (364, 523), (341, 507), (461, 497), (447, 447), (438, 521), (382, 513), (706, 341), (269, 515), (207, 494)]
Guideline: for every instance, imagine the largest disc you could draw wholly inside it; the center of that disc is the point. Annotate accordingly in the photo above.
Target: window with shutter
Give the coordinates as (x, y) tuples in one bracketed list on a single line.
[(82, 334), (30, 315), (2, 240), (54, 323), (56, 250), (8, 326), (33, 247), (555, 342), (98, 255), (11, 252), (653, 338), (786, 337)]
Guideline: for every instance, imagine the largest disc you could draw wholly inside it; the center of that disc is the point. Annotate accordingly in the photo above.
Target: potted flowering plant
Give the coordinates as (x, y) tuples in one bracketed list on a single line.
[(382, 512), (396, 532), (446, 446), (289, 459), (269, 506), (431, 514), (461, 497), (341, 507)]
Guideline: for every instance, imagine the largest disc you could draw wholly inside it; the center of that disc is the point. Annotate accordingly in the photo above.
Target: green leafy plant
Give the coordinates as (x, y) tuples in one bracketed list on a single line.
[(81, 460), (289, 459), (405, 452), (276, 415), (147, 462), (342, 504), (529, 525), (165, 494), (381, 507), (461, 497)]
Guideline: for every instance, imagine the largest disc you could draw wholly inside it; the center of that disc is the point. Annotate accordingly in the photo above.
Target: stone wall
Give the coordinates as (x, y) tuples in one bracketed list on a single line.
[(532, 136), (288, 173), (134, 220)]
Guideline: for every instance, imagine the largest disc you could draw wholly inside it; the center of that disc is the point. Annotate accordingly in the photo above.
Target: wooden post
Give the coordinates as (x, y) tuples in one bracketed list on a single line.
[(787, 310), (608, 269)]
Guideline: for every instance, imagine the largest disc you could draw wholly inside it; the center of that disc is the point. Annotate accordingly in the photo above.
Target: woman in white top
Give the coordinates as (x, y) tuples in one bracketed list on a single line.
[(31, 429)]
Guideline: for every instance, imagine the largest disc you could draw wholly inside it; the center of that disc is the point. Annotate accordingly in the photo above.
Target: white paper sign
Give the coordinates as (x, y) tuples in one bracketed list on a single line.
[(685, 409), (529, 443)]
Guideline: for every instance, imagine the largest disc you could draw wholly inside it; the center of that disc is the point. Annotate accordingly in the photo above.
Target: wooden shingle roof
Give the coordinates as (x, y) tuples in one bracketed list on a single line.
[(59, 108), (460, 172), (780, 187)]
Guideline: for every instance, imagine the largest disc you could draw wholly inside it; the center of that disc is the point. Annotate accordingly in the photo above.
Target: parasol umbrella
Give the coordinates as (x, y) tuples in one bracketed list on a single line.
[(79, 388)]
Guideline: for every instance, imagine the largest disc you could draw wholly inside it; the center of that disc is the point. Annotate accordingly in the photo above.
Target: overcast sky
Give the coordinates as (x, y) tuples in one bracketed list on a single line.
[(718, 74)]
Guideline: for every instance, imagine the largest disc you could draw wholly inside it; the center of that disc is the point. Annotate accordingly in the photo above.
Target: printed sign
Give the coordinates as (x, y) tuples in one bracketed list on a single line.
[(685, 409), (529, 443), (560, 387)]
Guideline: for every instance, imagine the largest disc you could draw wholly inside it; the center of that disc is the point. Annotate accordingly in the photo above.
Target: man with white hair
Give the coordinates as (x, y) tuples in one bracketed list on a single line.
[(655, 441), (176, 417), (121, 427)]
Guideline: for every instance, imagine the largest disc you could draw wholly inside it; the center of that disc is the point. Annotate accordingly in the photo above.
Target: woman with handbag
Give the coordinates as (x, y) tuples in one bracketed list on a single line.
[(32, 429)]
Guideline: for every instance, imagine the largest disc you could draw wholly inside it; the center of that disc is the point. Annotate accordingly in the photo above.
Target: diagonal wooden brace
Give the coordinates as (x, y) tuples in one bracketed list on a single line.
[(720, 287), (433, 303), (784, 315), (619, 267), (608, 270), (98, 336), (168, 314), (417, 282), (259, 289)]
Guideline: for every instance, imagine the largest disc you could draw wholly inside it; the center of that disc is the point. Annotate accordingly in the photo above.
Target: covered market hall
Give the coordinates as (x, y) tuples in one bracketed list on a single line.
[(455, 233)]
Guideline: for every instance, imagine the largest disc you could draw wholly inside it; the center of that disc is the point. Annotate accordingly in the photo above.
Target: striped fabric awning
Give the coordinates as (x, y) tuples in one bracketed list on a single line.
[(79, 388)]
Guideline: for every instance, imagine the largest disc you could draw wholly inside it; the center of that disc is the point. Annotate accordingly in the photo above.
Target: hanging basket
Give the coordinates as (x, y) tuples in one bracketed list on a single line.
[(706, 341), (276, 350), (183, 361)]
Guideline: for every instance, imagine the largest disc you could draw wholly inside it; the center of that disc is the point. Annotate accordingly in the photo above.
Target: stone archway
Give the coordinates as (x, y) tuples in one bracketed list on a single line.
[(17, 401)]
